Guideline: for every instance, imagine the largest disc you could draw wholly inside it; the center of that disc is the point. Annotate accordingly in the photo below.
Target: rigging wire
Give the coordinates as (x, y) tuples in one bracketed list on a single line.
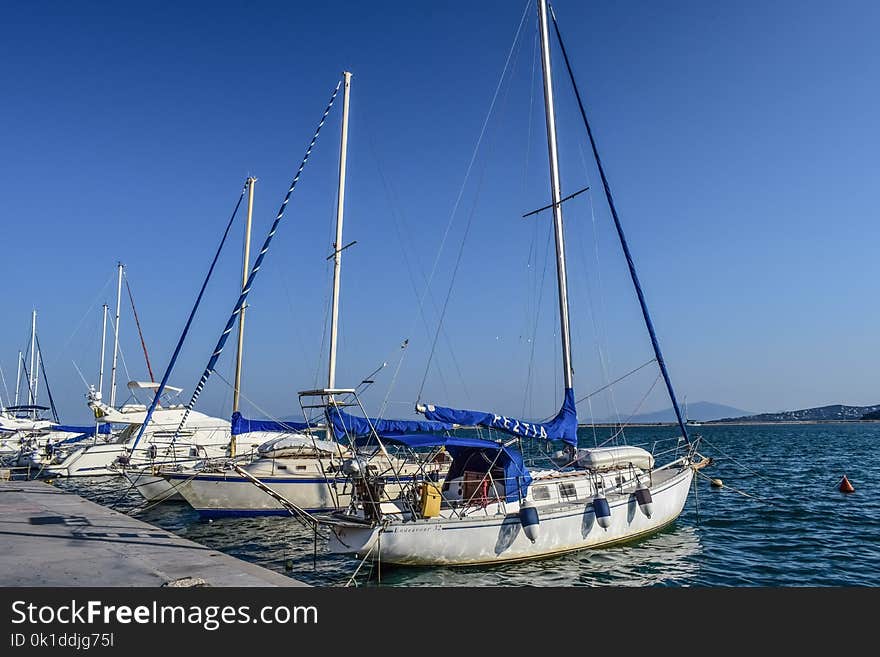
[(393, 378), (256, 406), (186, 327), (623, 425), (617, 380), (5, 388), (623, 244), (402, 229), (41, 360), (78, 371), (122, 359), (82, 319), (537, 315), (530, 269), (597, 319), (221, 342), (458, 199), (320, 360), (138, 324)]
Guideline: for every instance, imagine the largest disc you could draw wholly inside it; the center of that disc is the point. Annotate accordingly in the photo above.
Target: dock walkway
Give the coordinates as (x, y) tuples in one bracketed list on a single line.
[(53, 538)]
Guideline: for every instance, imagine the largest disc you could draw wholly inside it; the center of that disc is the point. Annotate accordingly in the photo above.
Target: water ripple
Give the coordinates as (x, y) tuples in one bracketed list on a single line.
[(803, 532)]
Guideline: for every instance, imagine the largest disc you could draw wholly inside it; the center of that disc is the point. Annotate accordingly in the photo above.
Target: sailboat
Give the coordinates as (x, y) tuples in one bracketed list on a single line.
[(113, 454), (294, 468), (687, 420), (28, 437), (492, 508)]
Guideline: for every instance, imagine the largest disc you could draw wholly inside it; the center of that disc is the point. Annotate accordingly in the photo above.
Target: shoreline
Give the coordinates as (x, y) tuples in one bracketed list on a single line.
[(720, 423)]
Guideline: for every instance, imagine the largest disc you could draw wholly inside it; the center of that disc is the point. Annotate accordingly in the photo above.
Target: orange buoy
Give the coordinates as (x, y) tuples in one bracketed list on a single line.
[(845, 486)]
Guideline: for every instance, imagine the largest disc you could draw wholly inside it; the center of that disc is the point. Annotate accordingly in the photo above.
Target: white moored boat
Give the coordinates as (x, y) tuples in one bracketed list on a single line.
[(492, 507), (561, 511), (204, 437)]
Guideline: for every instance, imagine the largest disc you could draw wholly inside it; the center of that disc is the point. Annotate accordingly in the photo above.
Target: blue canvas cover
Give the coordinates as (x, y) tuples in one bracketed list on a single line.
[(516, 476), (80, 433), (562, 427), (345, 424), (103, 429), (242, 425)]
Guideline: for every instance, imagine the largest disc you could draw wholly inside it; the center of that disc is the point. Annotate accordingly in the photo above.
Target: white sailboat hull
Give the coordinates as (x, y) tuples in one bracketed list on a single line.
[(153, 488), (312, 484), (482, 538), (96, 460), (230, 494)]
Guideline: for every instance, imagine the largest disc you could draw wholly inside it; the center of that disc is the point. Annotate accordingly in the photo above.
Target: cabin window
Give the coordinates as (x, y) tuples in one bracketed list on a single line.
[(540, 493), (567, 490), (300, 467), (282, 467)]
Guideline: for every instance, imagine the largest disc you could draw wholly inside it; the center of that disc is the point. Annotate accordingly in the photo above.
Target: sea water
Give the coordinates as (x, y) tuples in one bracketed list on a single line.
[(779, 520)]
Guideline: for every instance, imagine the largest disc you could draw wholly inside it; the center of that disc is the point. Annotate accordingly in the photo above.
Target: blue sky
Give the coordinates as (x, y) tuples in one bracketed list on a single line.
[(741, 142)]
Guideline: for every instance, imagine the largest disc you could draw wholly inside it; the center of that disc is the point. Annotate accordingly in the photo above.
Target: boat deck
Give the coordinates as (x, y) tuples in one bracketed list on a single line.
[(54, 538)]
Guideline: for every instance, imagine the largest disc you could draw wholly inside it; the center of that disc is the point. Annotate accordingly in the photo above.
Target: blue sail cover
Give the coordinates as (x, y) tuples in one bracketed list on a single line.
[(80, 433), (103, 429), (242, 425), (345, 424), (562, 427), (516, 476)]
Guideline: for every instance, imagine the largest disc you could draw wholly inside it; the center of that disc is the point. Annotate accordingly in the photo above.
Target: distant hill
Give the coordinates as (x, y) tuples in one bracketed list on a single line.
[(699, 411), (818, 414), (873, 415)]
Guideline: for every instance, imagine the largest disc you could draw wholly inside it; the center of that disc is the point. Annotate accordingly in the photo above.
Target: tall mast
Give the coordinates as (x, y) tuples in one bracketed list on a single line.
[(18, 378), (116, 336), (37, 375), (337, 245), (556, 197), (246, 259), (103, 345), (31, 398)]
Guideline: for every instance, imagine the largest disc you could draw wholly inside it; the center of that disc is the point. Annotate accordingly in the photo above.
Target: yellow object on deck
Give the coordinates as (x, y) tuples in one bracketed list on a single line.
[(430, 500)]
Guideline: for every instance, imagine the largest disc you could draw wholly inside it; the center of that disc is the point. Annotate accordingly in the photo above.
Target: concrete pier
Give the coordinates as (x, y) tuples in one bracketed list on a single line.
[(52, 538)]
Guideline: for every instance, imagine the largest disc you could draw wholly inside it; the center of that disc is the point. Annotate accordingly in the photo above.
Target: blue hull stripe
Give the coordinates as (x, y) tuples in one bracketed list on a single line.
[(266, 480)]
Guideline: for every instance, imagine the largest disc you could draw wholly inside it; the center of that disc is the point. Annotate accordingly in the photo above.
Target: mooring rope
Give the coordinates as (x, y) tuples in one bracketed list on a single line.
[(742, 492)]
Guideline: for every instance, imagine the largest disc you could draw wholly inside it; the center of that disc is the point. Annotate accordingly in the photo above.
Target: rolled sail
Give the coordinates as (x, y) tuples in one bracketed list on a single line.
[(242, 425), (562, 427), (345, 424)]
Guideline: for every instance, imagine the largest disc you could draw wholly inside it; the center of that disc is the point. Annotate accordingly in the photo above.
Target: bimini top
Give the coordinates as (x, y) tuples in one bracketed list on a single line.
[(462, 450), (562, 427), (152, 385), (242, 425)]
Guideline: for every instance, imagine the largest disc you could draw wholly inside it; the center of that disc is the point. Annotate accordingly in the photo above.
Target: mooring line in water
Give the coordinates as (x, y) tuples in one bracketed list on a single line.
[(743, 493), (744, 467), (353, 578), (174, 489)]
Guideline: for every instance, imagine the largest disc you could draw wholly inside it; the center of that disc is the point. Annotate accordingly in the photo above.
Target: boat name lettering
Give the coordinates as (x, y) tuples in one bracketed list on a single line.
[(519, 428)]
